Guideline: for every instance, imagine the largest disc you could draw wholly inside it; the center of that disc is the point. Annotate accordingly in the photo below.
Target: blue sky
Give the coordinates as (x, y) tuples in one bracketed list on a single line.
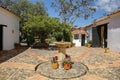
[(103, 6)]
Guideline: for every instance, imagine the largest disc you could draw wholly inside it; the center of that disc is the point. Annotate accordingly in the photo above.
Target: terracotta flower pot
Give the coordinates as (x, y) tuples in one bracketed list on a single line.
[(55, 65), (88, 45), (67, 66), (17, 45), (107, 50)]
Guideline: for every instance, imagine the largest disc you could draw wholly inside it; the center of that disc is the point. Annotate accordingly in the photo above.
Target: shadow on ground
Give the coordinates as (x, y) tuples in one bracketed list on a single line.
[(7, 54)]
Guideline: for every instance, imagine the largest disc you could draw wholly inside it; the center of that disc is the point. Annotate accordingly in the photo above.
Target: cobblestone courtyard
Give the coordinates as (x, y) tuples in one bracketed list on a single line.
[(20, 64)]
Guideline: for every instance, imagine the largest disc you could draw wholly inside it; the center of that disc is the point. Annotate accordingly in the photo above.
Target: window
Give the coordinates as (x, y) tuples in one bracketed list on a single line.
[(76, 36)]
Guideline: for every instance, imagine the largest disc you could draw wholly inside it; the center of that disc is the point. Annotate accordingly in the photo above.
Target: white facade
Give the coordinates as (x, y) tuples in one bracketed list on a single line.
[(114, 32), (113, 35), (77, 41), (11, 32), (79, 36), (89, 31)]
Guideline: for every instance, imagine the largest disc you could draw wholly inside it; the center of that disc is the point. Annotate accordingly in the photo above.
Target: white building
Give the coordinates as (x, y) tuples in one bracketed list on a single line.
[(105, 31), (9, 29), (79, 36), (114, 31)]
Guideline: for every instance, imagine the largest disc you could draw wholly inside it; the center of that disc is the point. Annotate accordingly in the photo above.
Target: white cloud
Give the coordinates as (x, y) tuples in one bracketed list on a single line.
[(108, 5)]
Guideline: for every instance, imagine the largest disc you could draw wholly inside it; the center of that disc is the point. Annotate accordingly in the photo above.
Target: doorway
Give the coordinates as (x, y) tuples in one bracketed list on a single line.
[(83, 40), (99, 34), (1, 37)]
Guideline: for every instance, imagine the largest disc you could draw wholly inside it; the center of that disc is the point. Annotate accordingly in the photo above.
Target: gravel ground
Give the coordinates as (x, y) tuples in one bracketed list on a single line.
[(24, 58), (15, 74), (100, 57), (47, 54), (112, 73)]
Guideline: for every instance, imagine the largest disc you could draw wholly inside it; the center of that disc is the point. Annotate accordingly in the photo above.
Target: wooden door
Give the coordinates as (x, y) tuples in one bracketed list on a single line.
[(95, 37)]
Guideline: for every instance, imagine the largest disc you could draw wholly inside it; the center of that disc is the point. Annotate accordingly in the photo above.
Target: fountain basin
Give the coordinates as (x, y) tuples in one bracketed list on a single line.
[(78, 69), (62, 44)]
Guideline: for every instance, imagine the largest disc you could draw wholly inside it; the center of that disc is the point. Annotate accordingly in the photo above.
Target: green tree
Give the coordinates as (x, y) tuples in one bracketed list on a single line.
[(41, 26), (45, 26), (36, 22), (63, 31), (7, 3), (24, 9), (70, 10)]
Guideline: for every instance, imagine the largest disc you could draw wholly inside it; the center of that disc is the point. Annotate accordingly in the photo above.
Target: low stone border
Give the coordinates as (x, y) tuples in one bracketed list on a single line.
[(78, 69)]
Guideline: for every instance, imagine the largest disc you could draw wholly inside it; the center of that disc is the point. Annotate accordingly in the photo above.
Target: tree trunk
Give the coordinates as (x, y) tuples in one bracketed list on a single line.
[(43, 39), (45, 45)]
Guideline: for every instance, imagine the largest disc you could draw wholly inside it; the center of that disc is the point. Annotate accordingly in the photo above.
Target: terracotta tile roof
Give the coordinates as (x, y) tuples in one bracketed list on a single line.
[(89, 25), (115, 12), (79, 31), (107, 16), (9, 11), (102, 19)]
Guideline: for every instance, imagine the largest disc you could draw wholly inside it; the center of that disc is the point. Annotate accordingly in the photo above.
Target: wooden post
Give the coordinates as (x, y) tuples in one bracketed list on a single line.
[(102, 36)]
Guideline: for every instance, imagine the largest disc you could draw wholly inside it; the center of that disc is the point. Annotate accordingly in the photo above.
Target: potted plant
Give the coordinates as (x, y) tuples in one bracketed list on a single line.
[(89, 43), (17, 45), (54, 62), (67, 63), (73, 44), (107, 50)]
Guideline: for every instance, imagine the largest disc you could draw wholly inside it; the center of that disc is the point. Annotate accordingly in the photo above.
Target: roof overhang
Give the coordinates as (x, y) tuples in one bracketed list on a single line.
[(1, 7), (3, 25)]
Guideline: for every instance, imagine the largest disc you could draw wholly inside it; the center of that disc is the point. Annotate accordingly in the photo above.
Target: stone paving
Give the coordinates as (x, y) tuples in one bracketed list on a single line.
[(21, 64)]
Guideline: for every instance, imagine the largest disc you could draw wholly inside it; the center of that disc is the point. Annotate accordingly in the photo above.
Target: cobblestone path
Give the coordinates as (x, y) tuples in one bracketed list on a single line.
[(20, 64)]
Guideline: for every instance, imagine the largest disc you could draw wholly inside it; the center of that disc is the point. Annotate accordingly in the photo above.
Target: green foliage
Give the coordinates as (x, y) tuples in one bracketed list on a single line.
[(67, 60), (50, 40), (54, 59), (7, 3), (89, 42), (36, 22), (37, 40), (16, 44), (63, 31), (58, 35)]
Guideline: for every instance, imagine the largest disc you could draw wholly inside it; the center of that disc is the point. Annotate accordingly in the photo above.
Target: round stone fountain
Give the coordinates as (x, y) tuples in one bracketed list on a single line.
[(78, 69), (62, 49)]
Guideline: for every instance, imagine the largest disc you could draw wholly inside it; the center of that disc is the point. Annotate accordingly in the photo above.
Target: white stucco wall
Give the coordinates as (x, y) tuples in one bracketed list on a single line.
[(11, 32), (114, 33), (77, 42), (89, 31)]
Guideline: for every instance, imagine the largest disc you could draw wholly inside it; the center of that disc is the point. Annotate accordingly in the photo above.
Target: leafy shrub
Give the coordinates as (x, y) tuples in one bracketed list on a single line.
[(89, 42), (17, 44)]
